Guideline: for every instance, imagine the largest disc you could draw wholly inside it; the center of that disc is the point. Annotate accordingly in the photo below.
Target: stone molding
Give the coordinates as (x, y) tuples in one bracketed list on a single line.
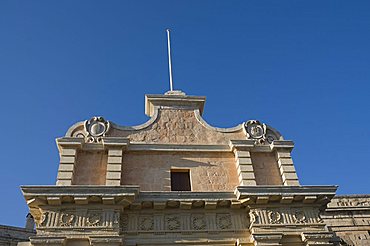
[(79, 218), (267, 239), (175, 221), (285, 194)]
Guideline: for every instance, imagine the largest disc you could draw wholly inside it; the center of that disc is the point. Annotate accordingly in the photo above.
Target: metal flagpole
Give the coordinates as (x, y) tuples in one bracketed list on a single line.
[(169, 57)]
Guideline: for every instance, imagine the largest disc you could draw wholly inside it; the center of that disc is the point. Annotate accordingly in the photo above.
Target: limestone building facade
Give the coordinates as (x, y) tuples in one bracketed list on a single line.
[(176, 180)]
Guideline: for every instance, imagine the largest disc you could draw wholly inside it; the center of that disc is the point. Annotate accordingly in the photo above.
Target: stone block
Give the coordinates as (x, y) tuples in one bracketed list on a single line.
[(65, 182), (246, 168), (115, 152), (115, 159), (248, 182), (240, 154), (114, 167), (68, 152), (113, 175), (285, 161), (113, 182), (283, 154), (288, 169), (289, 176), (247, 175), (292, 182), (67, 159), (245, 160), (66, 167), (65, 175)]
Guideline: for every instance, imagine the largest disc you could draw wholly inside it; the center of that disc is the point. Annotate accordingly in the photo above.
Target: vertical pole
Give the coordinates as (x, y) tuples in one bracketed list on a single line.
[(169, 57)]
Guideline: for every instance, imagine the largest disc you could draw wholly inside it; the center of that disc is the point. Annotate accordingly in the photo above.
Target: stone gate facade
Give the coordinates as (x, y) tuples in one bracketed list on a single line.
[(176, 180)]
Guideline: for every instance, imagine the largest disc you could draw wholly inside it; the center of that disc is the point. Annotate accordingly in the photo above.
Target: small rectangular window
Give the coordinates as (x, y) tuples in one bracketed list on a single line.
[(180, 180)]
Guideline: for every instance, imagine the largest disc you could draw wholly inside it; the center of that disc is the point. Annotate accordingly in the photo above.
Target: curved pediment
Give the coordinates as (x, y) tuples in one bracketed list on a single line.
[(175, 119)]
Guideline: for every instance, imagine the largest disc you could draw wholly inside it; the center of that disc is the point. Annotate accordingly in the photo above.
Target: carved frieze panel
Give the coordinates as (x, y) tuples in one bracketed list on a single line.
[(178, 222), (79, 219), (283, 216), (198, 222), (360, 202)]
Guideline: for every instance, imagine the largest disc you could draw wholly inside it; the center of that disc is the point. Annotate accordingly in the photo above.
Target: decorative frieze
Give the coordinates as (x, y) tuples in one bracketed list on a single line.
[(285, 216), (179, 222), (79, 218)]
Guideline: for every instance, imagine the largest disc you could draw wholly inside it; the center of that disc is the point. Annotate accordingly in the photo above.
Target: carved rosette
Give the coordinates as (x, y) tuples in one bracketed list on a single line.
[(173, 223), (224, 221), (274, 217), (198, 222), (146, 223), (299, 216), (259, 132), (96, 128)]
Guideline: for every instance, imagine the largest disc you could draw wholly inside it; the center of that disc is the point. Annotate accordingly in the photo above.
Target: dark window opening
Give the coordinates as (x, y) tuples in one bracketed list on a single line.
[(180, 180)]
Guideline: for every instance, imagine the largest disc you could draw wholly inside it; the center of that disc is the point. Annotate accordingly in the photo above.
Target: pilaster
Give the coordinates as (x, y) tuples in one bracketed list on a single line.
[(68, 156), (115, 148), (285, 162), (244, 162)]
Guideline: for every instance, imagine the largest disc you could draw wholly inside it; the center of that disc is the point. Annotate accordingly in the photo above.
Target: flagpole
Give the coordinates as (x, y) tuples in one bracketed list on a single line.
[(169, 57)]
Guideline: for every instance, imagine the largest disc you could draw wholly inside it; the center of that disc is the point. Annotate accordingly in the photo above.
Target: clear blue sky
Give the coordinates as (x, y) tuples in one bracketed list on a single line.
[(299, 66)]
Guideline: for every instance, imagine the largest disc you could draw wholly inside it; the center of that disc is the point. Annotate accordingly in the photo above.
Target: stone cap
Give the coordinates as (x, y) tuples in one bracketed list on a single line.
[(173, 99)]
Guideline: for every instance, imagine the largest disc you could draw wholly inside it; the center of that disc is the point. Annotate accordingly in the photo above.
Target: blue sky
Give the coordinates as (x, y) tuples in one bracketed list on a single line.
[(299, 66)]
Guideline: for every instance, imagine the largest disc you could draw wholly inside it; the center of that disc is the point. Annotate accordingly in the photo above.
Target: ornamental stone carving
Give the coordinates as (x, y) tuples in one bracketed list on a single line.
[(77, 219), (259, 132), (283, 216), (146, 223), (224, 221), (173, 223), (66, 219), (198, 222), (96, 128), (274, 217), (93, 219), (299, 216)]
